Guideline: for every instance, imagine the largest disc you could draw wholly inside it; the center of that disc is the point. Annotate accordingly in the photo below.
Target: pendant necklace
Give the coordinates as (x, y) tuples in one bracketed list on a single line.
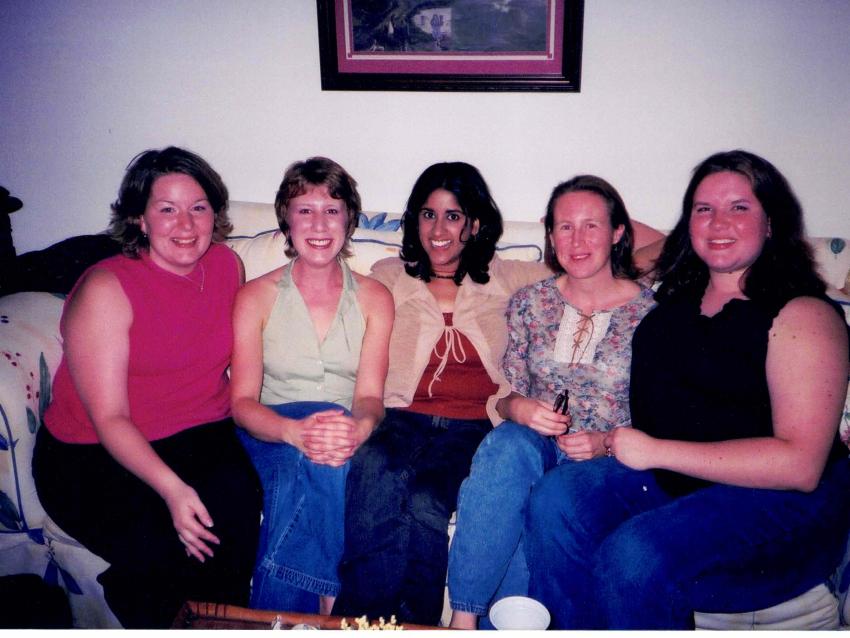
[(203, 278)]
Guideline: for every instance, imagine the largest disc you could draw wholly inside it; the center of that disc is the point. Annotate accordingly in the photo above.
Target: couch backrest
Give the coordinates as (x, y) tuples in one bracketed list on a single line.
[(261, 245), (256, 239)]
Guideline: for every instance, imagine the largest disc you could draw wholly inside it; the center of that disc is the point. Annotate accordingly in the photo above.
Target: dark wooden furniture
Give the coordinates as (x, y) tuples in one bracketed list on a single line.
[(195, 615)]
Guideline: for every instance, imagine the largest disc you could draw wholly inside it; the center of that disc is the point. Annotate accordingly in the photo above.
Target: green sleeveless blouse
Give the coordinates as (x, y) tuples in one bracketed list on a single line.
[(296, 366)]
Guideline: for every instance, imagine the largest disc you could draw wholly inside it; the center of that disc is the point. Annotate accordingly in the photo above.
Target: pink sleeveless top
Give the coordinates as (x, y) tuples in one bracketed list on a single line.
[(181, 340)]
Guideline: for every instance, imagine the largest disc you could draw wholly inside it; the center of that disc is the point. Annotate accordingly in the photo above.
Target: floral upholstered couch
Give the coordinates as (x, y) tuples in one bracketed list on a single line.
[(30, 350)]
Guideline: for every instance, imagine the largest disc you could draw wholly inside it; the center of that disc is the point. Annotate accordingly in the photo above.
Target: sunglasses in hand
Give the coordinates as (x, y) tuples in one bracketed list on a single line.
[(562, 403)]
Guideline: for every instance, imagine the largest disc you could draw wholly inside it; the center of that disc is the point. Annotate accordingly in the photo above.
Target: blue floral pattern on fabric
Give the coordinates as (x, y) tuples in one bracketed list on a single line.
[(378, 222), (13, 518)]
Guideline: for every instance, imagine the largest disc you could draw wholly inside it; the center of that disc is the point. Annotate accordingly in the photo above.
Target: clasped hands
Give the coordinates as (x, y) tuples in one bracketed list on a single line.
[(329, 437)]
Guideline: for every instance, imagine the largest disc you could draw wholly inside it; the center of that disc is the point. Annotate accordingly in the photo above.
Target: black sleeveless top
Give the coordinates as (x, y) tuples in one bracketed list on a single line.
[(698, 378)]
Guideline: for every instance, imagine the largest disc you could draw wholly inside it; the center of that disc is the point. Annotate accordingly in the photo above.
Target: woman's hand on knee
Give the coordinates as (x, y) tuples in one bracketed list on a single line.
[(191, 520)]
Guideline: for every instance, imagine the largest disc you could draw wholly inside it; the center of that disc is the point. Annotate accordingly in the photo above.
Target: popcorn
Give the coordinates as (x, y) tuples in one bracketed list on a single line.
[(363, 623)]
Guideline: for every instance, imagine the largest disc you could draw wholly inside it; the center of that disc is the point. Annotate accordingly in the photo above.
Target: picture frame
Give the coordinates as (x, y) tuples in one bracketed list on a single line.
[(450, 45)]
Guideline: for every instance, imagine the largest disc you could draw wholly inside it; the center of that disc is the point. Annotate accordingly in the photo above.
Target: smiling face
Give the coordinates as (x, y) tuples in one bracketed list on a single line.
[(582, 235), (444, 230), (178, 221), (318, 225), (728, 225)]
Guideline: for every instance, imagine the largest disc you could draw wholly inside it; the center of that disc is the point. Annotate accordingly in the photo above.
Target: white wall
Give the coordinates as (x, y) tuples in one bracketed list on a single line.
[(86, 84)]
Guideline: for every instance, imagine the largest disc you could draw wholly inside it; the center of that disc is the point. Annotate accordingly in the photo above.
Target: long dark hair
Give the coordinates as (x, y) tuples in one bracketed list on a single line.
[(135, 190), (622, 265), (469, 188), (785, 268)]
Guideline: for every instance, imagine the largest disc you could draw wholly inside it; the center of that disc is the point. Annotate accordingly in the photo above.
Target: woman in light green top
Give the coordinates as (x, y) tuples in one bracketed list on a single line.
[(307, 377)]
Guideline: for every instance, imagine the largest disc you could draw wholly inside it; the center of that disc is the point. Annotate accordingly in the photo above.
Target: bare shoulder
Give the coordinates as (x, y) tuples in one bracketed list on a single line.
[(371, 292), (99, 308), (807, 329), (259, 293), (97, 281), (808, 317), (100, 291)]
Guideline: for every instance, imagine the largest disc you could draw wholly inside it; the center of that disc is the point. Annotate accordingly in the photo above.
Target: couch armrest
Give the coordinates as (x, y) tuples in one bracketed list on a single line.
[(30, 351)]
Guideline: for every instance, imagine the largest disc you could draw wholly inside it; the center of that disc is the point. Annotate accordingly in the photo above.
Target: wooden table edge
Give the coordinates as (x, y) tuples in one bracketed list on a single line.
[(192, 611)]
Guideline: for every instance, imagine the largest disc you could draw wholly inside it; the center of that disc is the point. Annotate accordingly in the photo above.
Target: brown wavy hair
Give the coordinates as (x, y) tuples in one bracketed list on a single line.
[(135, 191)]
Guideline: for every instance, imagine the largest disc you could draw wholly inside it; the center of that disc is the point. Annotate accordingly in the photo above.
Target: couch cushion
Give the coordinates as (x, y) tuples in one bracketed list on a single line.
[(79, 569), (378, 238), (260, 253), (815, 609), (833, 259), (251, 218), (844, 426), (29, 354)]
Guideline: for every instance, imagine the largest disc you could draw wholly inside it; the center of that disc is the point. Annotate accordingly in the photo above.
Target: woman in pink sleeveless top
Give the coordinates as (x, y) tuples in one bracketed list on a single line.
[(138, 459)]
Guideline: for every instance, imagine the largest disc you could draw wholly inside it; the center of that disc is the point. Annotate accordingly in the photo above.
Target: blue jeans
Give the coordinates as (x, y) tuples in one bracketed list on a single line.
[(486, 561), (301, 538), (607, 548), (401, 491)]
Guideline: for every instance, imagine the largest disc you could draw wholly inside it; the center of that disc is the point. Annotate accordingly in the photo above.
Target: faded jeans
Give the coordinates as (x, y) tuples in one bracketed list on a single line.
[(301, 537), (607, 548), (486, 561)]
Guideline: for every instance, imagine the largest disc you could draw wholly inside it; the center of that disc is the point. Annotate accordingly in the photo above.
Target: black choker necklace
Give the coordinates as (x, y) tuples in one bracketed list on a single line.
[(443, 276)]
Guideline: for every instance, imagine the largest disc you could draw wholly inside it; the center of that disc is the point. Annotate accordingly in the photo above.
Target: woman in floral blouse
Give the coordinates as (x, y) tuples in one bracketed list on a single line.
[(569, 334)]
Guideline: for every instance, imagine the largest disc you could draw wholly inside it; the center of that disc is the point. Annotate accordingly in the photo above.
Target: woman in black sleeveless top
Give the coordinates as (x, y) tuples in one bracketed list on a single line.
[(730, 492)]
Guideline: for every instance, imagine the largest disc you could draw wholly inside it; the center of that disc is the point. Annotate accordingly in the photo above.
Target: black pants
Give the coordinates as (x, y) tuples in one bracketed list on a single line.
[(401, 491), (121, 519)]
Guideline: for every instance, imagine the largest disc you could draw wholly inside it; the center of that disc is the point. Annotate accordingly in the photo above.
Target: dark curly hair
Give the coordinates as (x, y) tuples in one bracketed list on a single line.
[(621, 253), (135, 190), (312, 172), (469, 188), (783, 270)]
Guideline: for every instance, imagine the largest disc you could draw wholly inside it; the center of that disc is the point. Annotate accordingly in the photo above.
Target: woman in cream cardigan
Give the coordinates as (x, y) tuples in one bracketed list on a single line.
[(444, 379)]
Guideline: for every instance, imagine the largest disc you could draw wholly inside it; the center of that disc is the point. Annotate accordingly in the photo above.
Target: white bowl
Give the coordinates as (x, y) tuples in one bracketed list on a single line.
[(519, 612)]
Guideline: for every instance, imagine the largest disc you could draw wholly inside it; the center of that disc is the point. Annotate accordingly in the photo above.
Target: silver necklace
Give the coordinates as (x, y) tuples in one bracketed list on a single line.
[(203, 277)]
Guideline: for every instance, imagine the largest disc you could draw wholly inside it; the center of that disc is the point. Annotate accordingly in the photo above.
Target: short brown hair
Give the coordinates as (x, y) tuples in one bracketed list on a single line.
[(318, 171)]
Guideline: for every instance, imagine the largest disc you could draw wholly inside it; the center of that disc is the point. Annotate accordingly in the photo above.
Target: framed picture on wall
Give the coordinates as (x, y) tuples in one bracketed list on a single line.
[(450, 45)]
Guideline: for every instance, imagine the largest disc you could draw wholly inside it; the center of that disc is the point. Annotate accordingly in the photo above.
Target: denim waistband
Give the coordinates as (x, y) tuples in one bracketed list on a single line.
[(437, 422)]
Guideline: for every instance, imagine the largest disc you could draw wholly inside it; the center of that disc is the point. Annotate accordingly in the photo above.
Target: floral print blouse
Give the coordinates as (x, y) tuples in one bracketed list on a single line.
[(598, 384)]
